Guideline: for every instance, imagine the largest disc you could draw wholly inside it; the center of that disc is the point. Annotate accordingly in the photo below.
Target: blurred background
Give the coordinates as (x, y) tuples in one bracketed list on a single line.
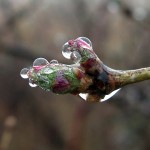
[(32, 119)]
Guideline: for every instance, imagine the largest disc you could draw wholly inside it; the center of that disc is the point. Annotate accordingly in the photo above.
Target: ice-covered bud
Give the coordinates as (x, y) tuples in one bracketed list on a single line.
[(56, 77)]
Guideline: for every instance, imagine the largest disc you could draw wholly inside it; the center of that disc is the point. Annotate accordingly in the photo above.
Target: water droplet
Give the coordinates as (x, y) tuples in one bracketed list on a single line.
[(66, 50), (109, 95), (83, 95), (48, 70), (86, 40), (40, 62), (53, 61), (75, 57), (23, 73), (32, 84)]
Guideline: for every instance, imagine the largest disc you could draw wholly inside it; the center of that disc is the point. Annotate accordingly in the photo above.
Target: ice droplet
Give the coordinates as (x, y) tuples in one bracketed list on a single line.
[(66, 50), (53, 61), (32, 84), (23, 73), (83, 95), (109, 95), (75, 57), (48, 70), (86, 40), (40, 62)]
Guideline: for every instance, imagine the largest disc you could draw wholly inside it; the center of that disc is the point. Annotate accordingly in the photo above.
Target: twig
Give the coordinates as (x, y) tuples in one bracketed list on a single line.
[(88, 75)]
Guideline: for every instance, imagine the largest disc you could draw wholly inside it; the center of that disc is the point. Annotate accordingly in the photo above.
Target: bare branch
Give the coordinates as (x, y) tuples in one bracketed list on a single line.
[(88, 77)]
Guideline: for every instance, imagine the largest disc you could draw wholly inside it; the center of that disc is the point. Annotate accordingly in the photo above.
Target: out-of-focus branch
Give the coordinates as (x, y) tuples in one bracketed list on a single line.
[(76, 138), (11, 19), (17, 51)]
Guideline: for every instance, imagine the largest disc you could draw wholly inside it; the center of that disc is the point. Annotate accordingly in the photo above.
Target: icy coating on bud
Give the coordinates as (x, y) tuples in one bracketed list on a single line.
[(55, 77), (75, 57), (87, 77), (76, 45)]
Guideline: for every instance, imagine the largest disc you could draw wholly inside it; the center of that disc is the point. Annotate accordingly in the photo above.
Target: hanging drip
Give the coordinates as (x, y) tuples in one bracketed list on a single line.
[(32, 84), (24, 73), (66, 50)]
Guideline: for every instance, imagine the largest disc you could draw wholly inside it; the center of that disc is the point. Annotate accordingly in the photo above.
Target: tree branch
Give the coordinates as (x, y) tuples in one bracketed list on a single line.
[(88, 77), (134, 76)]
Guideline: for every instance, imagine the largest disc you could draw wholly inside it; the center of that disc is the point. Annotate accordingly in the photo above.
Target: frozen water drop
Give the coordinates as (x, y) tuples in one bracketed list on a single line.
[(76, 57), (24, 73), (109, 95), (83, 95), (66, 50), (40, 62), (32, 84), (86, 40), (48, 70), (53, 61)]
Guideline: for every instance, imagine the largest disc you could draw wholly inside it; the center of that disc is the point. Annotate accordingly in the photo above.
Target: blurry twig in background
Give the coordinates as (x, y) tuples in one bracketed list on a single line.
[(77, 132), (6, 137), (17, 51), (12, 17)]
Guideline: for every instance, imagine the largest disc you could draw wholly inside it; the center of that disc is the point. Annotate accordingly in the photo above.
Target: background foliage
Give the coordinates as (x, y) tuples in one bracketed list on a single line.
[(31, 118)]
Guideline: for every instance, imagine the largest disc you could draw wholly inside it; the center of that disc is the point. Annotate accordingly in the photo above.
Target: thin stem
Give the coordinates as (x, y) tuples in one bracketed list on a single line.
[(134, 76)]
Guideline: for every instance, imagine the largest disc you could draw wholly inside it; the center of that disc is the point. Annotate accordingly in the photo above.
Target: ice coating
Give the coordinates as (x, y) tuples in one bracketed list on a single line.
[(86, 75), (84, 96), (75, 45), (33, 72), (75, 57), (55, 77), (110, 95)]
